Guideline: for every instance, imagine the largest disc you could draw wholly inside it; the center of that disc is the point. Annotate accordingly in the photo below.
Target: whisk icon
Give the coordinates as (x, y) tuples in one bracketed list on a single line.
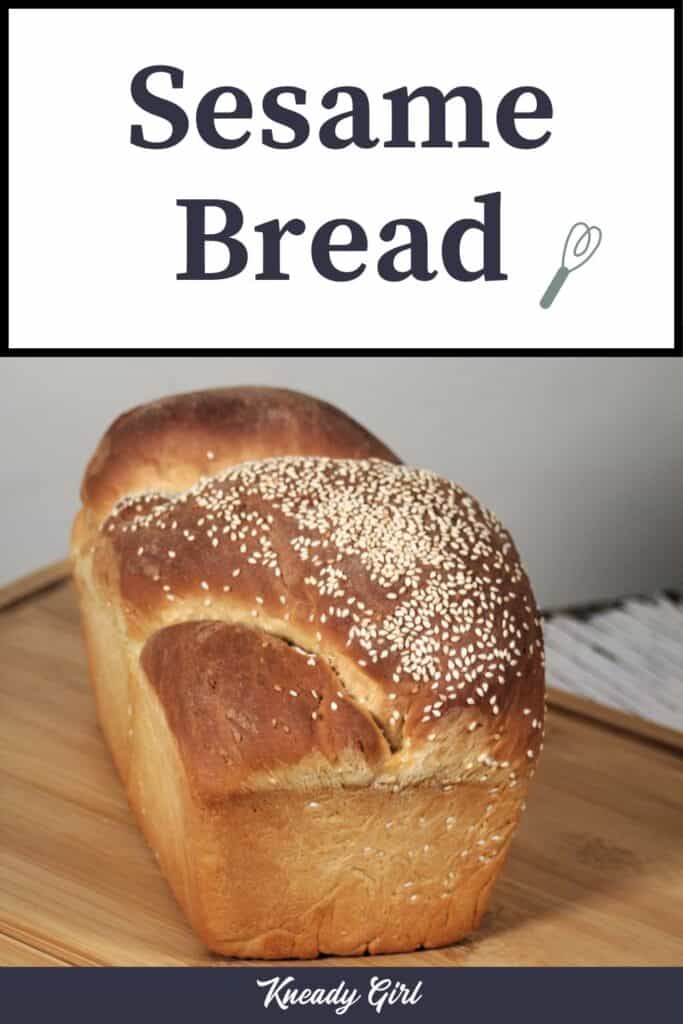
[(581, 243)]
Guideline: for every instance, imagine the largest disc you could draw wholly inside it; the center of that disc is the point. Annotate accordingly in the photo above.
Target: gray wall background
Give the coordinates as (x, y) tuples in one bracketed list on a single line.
[(582, 458)]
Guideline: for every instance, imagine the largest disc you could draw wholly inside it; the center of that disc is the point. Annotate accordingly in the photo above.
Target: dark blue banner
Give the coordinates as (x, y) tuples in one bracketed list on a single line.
[(109, 996)]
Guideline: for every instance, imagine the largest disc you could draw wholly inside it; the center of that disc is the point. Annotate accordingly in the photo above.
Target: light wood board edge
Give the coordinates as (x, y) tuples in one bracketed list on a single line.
[(27, 586), (43, 945), (20, 953), (621, 720)]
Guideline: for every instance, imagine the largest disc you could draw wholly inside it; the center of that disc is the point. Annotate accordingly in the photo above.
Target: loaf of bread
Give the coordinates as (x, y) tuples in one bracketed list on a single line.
[(319, 671)]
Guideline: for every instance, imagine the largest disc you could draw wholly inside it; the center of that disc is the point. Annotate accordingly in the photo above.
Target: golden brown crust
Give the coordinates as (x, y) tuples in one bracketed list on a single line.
[(242, 704), (400, 580), (295, 873), (280, 873), (321, 678), (170, 443), (346, 871)]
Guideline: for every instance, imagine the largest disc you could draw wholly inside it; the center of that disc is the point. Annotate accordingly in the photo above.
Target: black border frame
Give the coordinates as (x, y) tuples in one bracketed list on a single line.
[(676, 350)]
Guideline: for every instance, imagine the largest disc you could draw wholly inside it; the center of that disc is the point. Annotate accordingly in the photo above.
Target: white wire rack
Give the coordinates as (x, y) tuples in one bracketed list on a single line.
[(628, 657)]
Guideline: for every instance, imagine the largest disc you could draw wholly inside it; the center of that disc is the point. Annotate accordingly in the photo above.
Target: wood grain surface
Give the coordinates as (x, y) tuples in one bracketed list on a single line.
[(34, 582), (595, 875), (617, 719)]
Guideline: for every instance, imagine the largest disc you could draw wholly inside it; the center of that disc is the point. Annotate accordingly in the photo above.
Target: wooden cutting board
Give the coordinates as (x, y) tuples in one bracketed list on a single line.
[(594, 877)]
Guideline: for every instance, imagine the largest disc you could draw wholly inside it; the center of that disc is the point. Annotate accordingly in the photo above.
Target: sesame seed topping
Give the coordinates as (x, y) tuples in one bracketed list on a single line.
[(407, 571)]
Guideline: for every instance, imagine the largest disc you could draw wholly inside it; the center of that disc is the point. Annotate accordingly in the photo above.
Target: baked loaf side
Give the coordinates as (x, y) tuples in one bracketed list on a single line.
[(324, 690)]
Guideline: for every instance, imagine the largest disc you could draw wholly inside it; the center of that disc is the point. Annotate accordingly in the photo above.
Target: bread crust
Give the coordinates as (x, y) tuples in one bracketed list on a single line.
[(318, 551), (168, 444), (322, 682), (279, 873), (295, 873), (246, 709)]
